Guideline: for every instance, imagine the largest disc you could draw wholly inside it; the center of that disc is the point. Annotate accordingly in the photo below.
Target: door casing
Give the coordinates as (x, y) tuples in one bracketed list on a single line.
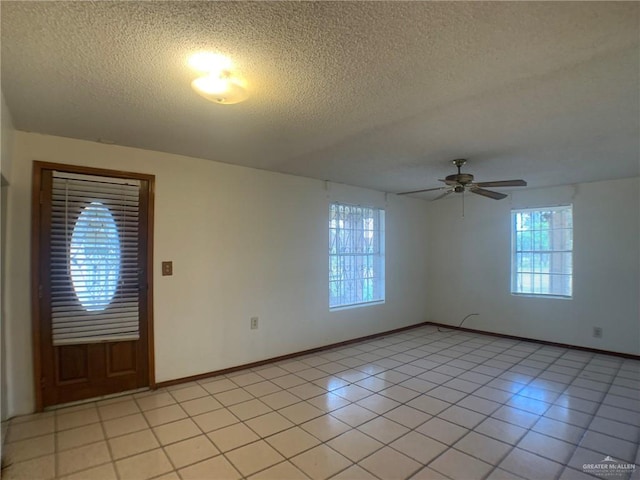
[(36, 279)]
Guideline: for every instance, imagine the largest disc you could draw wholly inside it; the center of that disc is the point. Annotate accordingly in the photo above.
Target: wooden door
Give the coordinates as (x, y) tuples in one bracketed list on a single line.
[(92, 282)]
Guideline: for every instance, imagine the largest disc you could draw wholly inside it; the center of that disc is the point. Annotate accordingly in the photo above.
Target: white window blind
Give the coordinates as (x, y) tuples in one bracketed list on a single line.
[(94, 259), (542, 251), (356, 255)]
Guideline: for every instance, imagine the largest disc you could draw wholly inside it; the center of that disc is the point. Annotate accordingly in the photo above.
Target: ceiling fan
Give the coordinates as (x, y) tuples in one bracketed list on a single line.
[(463, 182)]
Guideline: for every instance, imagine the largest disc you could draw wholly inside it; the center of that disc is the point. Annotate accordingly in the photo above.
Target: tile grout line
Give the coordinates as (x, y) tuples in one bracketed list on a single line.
[(528, 430), (358, 400), (452, 447), (541, 371), (586, 430), (458, 341), (533, 352), (417, 426), (221, 453), (488, 416), (151, 428)]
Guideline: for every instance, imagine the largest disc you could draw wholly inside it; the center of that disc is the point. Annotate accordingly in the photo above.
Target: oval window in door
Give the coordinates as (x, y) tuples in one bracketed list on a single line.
[(94, 257)]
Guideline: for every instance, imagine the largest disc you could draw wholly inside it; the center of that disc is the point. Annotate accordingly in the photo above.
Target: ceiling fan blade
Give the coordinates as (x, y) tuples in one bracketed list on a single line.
[(487, 193), (503, 183), (442, 195), (422, 191)]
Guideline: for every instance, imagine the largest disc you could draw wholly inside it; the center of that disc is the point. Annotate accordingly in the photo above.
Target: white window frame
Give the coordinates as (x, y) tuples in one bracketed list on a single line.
[(558, 253), (351, 258)]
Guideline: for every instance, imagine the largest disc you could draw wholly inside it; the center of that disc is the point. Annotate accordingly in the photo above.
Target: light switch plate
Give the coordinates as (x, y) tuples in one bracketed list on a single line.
[(167, 269)]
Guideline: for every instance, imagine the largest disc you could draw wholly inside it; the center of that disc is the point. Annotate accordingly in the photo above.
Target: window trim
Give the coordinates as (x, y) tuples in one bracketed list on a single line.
[(381, 254), (514, 271)]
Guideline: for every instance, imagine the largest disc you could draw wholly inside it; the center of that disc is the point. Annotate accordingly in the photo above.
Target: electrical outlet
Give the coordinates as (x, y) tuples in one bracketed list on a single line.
[(254, 323), (597, 332)]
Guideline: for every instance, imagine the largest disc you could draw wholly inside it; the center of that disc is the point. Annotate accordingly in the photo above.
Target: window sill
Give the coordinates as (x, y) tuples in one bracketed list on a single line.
[(356, 305), (541, 295)]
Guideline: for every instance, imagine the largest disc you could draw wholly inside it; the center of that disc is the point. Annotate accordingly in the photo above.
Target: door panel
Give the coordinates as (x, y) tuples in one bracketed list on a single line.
[(72, 365), (121, 358), (93, 258)]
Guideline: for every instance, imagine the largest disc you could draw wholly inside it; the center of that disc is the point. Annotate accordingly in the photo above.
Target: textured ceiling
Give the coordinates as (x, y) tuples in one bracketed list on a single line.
[(376, 94)]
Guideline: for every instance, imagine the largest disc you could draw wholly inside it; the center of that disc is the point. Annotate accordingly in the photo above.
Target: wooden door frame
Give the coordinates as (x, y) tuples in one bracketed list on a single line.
[(36, 213)]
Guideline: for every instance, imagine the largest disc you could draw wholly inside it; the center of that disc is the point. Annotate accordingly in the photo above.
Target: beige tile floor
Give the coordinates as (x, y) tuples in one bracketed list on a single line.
[(420, 404)]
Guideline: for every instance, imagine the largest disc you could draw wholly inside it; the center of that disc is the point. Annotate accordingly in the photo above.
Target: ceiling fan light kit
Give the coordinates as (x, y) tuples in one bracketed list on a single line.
[(463, 182)]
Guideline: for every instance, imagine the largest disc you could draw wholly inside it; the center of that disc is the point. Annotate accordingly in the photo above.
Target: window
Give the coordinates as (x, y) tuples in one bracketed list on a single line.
[(356, 255), (542, 246), (94, 257)]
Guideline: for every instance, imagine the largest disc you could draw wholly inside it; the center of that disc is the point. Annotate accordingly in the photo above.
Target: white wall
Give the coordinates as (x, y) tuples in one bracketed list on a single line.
[(244, 243), (249, 243), (7, 134), (469, 265)]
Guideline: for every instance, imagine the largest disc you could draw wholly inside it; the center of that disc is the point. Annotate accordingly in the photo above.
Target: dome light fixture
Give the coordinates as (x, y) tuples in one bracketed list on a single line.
[(219, 85), (208, 62), (221, 88)]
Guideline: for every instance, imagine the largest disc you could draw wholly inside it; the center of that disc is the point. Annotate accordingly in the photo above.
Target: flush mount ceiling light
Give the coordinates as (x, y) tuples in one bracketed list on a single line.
[(219, 85), (220, 88), (209, 62)]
